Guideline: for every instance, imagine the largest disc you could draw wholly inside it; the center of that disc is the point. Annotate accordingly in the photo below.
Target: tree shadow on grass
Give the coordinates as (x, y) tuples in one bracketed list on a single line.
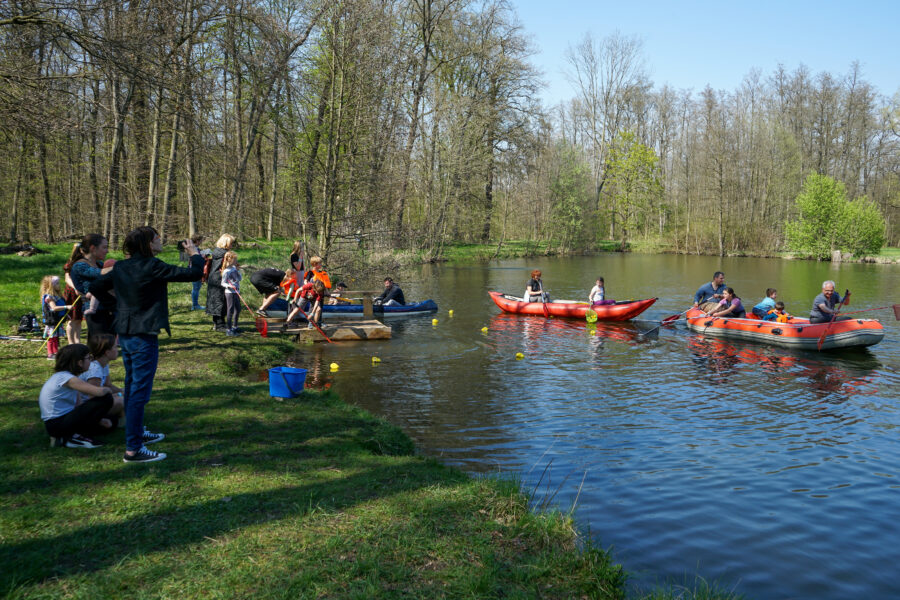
[(95, 547)]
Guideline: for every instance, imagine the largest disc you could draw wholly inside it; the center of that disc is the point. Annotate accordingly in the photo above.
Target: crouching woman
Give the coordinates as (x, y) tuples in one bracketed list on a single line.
[(70, 421)]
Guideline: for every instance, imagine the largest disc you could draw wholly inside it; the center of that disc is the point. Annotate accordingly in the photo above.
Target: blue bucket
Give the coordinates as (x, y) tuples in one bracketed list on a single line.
[(286, 382)]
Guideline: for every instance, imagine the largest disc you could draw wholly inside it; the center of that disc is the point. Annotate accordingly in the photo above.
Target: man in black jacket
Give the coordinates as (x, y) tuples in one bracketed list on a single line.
[(392, 294), (142, 311)]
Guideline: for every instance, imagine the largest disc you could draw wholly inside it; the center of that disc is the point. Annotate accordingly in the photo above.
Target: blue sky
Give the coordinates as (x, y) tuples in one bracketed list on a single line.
[(691, 44)]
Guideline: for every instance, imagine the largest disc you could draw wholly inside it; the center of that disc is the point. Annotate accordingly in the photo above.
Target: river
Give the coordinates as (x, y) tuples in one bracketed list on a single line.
[(772, 473)]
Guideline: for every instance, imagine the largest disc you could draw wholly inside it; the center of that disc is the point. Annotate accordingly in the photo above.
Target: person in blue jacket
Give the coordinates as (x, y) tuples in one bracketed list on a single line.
[(712, 291)]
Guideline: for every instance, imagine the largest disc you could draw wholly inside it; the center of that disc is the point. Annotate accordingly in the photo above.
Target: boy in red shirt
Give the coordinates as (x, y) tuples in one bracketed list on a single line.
[(312, 292)]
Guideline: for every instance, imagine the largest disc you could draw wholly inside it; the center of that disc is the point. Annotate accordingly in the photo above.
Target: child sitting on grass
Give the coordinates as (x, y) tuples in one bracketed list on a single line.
[(53, 310), (68, 420), (104, 350)]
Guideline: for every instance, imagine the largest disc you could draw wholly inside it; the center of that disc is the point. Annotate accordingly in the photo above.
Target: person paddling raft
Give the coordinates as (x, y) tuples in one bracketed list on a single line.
[(729, 306), (823, 309), (534, 291), (710, 292)]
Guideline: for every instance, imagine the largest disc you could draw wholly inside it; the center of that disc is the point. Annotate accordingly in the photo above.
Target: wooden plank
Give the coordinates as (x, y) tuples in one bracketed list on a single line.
[(342, 331)]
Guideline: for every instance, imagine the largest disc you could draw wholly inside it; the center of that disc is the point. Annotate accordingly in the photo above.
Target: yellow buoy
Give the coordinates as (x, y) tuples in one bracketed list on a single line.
[(484, 330), (334, 366), (375, 359), (519, 356), (451, 312), (434, 321)]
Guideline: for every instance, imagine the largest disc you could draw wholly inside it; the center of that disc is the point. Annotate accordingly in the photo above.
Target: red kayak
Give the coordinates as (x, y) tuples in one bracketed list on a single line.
[(620, 311)]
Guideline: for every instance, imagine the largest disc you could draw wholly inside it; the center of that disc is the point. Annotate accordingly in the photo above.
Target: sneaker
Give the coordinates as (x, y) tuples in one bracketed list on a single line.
[(143, 455), (198, 307), (52, 357), (151, 438), (310, 326), (230, 332), (262, 313), (80, 441)]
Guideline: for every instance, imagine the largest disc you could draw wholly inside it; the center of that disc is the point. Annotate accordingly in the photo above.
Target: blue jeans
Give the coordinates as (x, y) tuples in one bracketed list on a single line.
[(140, 355), (195, 293)]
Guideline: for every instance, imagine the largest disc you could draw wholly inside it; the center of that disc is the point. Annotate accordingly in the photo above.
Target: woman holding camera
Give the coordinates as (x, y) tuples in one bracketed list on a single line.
[(140, 283)]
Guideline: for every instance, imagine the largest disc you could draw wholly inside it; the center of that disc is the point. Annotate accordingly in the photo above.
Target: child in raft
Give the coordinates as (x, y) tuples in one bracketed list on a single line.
[(762, 309), (231, 281), (597, 293), (104, 350), (67, 418), (778, 314), (53, 310), (728, 306)]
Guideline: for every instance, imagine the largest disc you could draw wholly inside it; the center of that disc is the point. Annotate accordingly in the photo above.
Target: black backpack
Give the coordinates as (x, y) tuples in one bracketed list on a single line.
[(51, 317), (26, 323)]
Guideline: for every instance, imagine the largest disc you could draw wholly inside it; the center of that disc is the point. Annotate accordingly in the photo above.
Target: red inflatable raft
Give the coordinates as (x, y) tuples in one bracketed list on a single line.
[(796, 333), (620, 311)]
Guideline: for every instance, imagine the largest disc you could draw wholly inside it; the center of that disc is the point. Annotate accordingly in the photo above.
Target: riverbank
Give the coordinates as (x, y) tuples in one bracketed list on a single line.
[(309, 497), (526, 249)]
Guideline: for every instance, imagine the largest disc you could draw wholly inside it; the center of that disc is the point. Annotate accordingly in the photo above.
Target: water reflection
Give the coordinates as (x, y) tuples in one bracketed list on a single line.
[(829, 377)]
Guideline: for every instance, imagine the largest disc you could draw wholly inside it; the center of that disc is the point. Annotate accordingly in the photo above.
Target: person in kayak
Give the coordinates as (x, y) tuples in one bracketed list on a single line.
[(823, 309), (729, 306), (710, 292), (392, 294), (597, 293), (534, 291)]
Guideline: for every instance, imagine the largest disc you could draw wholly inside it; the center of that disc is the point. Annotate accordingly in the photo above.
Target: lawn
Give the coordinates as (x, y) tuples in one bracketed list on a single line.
[(303, 498)]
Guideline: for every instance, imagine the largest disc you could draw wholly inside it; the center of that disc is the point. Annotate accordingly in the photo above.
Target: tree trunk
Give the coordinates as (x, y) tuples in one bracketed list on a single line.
[(154, 160), (170, 177), (46, 206)]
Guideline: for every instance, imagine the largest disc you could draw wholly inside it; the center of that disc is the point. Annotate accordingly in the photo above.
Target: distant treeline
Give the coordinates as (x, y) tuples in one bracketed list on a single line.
[(363, 125)]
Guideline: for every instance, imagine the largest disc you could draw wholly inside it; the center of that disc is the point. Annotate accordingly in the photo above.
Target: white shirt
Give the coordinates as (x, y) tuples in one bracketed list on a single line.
[(56, 399)]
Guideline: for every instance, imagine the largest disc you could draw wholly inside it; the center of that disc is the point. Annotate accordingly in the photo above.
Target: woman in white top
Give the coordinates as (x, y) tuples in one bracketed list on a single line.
[(68, 420)]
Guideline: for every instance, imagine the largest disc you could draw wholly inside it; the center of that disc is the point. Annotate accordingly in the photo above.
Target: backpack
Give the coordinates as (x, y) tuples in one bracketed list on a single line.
[(207, 266), (26, 323), (51, 317)]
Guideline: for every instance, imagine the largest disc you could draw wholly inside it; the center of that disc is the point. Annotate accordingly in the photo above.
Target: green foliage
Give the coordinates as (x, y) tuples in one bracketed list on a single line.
[(828, 221), (863, 228), (632, 179), (570, 196)]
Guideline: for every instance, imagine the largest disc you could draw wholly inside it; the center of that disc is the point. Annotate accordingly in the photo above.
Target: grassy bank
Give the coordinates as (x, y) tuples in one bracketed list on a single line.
[(306, 498)]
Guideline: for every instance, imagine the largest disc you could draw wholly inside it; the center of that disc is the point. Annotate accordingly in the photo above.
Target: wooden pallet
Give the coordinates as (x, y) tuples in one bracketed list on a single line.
[(338, 332)]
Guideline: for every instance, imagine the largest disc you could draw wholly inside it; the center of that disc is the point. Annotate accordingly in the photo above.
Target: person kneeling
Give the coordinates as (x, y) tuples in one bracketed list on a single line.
[(67, 418)]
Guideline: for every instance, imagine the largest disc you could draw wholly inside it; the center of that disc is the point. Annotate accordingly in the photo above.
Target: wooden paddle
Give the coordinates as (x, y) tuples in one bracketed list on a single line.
[(833, 319), (666, 321)]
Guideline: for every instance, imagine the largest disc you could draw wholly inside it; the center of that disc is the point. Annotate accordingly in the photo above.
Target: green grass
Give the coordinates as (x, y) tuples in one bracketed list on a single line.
[(305, 498)]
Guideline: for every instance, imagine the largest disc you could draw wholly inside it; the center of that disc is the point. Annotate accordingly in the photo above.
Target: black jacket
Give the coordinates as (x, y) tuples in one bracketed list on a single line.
[(141, 285), (215, 293), (392, 293)]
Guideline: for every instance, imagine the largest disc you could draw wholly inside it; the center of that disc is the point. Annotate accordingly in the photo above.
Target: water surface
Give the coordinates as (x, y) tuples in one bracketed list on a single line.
[(773, 472)]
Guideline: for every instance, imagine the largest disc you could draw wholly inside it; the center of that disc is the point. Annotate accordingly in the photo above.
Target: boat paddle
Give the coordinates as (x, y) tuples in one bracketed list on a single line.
[(833, 319)]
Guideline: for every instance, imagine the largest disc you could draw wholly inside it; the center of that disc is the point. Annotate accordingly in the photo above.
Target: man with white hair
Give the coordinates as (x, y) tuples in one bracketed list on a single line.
[(823, 309)]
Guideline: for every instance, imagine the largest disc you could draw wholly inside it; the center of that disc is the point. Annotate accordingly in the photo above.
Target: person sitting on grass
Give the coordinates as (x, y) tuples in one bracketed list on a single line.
[(104, 350), (68, 420), (765, 305), (392, 294)]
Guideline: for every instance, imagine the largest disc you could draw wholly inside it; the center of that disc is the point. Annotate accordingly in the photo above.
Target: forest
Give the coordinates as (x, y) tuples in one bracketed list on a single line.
[(384, 125)]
